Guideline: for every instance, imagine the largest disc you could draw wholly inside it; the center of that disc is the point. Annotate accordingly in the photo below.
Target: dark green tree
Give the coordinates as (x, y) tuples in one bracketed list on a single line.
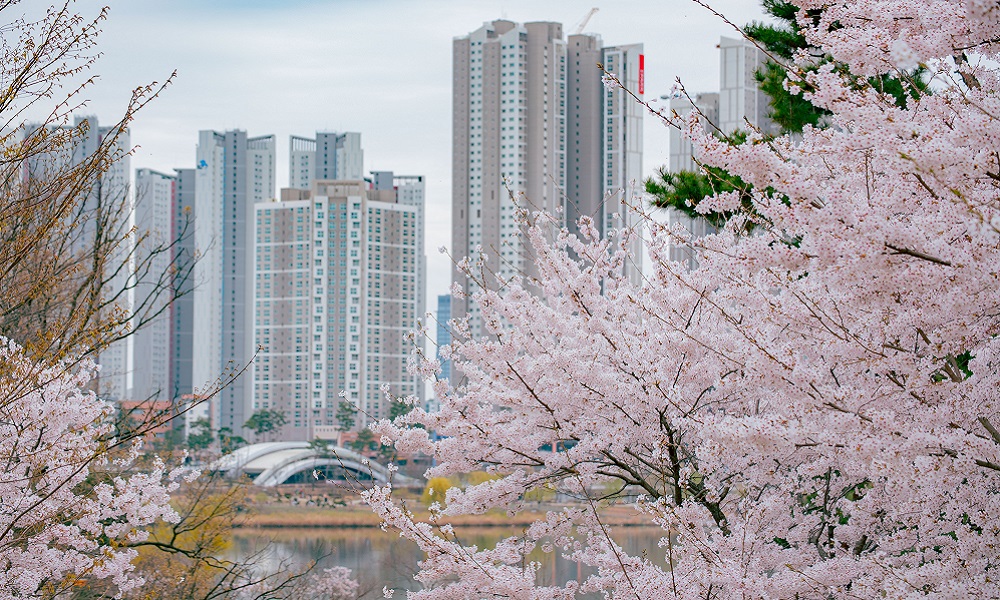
[(229, 442), (346, 415), (265, 421), (365, 441), (322, 447), (789, 110), (398, 408), (201, 435)]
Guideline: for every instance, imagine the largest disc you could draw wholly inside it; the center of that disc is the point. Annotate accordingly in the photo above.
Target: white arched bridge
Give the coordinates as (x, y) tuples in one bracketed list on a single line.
[(274, 463)]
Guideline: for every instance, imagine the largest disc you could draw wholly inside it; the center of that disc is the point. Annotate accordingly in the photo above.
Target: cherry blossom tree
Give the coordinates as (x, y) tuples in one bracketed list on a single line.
[(68, 512), (72, 502), (76, 504), (812, 412)]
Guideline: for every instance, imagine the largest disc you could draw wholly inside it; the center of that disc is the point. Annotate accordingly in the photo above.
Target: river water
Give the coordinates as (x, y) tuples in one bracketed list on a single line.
[(379, 558)]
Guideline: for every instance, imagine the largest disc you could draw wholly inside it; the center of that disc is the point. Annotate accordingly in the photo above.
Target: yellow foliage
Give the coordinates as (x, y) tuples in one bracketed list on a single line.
[(181, 560), (438, 487), (477, 477), (545, 493), (435, 491)]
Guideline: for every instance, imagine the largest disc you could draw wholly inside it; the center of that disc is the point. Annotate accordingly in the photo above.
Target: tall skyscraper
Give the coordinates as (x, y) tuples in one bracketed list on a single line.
[(151, 343), (508, 137), (532, 119), (604, 139), (740, 99), (681, 151), (682, 159), (339, 282), (234, 173), (330, 156), (108, 203), (182, 335), (163, 343), (738, 105), (393, 290)]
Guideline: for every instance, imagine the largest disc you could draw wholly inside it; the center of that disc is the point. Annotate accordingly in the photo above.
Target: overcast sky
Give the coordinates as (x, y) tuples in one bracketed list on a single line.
[(380, 67)]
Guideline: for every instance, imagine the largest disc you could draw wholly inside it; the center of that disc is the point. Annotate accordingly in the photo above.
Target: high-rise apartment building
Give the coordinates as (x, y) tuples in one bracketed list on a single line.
[(339, 282), (182, 333), (740, 98), (508, 138), (739, 102), (162, 344), (681, 151), (108, 202), (330, 156), (604, 139), (393, 290), (738, 105), (234, 173), (682, 159), (531, 119), (151, 343)]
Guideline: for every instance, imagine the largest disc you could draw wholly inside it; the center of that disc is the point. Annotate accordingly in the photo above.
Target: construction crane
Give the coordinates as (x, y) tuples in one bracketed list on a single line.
[(586, 19)]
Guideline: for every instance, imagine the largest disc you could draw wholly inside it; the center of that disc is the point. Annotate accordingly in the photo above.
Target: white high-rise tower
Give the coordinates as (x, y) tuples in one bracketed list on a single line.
[(233, 173), (110, 204), (330, 156)]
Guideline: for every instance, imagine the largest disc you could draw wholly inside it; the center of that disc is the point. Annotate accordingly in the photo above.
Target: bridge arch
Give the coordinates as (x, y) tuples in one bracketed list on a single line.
[(273, 463)]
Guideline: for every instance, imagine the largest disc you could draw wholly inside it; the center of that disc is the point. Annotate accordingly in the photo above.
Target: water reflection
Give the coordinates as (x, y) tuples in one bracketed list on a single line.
[(379, 558)]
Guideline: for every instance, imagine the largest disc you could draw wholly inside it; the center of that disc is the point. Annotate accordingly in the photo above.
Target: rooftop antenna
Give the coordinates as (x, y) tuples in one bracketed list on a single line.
[(586, 19)]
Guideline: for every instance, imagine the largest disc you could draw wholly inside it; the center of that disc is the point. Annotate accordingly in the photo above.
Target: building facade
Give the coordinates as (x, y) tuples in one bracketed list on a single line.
[(443, 333), (328, 156), (151, 342), (682, 159), (163, 345), (234, 173), (182, 337), (620, 201), (533, 126), (339, 281), (681, 151), (109, 202), (740, 100), (739, 105)]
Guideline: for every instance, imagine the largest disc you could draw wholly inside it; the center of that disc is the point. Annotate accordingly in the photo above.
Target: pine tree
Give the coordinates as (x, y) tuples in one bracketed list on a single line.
[(789, 109), (346, 415)]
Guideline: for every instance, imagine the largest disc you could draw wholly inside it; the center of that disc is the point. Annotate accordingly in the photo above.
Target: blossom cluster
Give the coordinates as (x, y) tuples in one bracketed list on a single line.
[(68, 513), (813, 411)]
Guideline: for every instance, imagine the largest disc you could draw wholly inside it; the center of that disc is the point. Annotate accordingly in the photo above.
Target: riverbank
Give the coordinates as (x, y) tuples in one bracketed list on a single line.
[(354, 515)]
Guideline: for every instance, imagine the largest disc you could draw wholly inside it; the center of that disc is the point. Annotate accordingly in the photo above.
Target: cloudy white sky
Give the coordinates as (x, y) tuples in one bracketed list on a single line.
[(381, 67)]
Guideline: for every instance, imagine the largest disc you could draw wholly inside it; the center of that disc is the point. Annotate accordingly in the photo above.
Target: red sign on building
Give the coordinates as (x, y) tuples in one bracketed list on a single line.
[(642, 74)]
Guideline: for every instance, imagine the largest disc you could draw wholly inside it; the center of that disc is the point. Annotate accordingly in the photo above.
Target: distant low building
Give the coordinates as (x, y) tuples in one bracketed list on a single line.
[(148, 417)]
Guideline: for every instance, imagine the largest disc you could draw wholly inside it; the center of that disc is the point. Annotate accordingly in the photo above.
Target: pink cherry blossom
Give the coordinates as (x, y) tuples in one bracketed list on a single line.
[(67, 512), (797, 414)]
